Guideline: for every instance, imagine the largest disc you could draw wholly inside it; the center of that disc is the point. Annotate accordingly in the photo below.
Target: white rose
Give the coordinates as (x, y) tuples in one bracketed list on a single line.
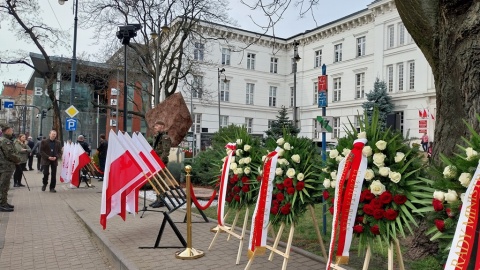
[(383, 171), (333, 184), (378, 159), (263, 158), (239, 141), (339, 158), (376, 187), (239, 152), (281, 152), (296, 158), (223, 159), (470, 153), (395, 177), (259, 169), (362, 135), (450, 172), (247, 170), (228, 150), (290, 172), (233, 166), (333, 153), (399, 157), (280, 141), (462, 197), (345, 152), (465, 179), (325, 169), (381, 145), (326, 183), (246, 148), (287, 146), (278, 171), (238, 171), (241, 161), (451, 196), (300, 177), (367, 151), (439, 195), (333, 175), (369, 174), (281, 161)]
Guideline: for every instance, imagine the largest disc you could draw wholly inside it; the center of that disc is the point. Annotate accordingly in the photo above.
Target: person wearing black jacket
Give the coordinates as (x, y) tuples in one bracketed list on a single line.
[(51, 151), (84, 144), (30, 144), (36, 151)]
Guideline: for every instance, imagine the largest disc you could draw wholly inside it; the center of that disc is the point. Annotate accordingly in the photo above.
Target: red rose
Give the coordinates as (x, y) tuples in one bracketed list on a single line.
[(331, 210), (274, 210), (378, 213), (288, 205), (280, 197), (449, 212), (376, 203), (231, 181), (290, 190), (359, 219), (237, 198), (259, 178), (375, 229), (400, 199), (440, 224), (246, 188), (228, 199), (280, 186), (369, 195), (386, 197), (437, 205), (358, 229), (332, 200), (288, 182), (235, 177), (300, 185), (285, 210), (236, 189), (326, 195), (275, 203), (245, 179), (391, 214), (368, 209)]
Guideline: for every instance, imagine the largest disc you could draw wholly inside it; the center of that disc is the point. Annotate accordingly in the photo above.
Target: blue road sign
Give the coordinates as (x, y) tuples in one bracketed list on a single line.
[(322, 99), (71, 124), (8, 104)]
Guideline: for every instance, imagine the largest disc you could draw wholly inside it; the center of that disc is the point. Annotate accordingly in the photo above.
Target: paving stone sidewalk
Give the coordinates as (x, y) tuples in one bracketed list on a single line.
[(62, 231)]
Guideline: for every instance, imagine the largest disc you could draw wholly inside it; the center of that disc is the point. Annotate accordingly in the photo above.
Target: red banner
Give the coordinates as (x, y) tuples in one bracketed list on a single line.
[(323, 83)]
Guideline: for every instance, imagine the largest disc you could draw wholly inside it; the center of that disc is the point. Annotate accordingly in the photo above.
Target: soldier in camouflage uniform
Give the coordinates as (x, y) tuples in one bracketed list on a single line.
[(161, 145), (8, 159)]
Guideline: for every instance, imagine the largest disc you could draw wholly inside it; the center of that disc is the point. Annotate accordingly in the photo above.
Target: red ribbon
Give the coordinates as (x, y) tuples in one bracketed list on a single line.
[(197, 204)]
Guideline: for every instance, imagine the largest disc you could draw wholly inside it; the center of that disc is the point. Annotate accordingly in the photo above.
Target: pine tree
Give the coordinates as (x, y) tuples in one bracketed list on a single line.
[(379, 99), (282, 122)]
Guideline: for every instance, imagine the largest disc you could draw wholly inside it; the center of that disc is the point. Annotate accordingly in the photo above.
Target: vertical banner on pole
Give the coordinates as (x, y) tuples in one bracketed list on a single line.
[(323, 103)]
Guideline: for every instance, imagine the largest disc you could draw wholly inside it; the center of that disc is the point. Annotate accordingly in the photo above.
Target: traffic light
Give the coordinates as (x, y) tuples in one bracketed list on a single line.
[(44, 114)]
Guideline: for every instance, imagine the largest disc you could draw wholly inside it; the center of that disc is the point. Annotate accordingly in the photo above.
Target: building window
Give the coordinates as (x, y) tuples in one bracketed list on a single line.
[(390, 78), (338, 52), (357, 119), (270, 123), (272, 96), (390, 36), (197, 90), (197, 121), (318, 59), (315, 93), (360, 85), (291, 97), (316, 127), (249, 93), (226, 56), (223, 121), (401, 34), (411, 75), (360, 46), (400, 76), (250, 61), (337, 89), (225, 91), (273, 65), (249, 124), (198, 52), (336, 127)]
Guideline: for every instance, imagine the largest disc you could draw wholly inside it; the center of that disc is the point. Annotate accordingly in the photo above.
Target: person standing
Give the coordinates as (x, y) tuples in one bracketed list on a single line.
[(425, 142), (161, 146), (24, 151), (51, 151), (36, 150), (102, 152), (84, 144), (8, 159), (30, 144)]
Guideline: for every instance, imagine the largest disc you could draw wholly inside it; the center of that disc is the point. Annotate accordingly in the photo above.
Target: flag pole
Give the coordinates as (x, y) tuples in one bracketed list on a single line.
[(189, 253)]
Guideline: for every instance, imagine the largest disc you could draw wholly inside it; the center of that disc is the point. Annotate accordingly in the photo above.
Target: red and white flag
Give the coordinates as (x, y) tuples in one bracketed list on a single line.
[(80, 158), (121, 170), (64, 173), (224, 182), (149, 148)]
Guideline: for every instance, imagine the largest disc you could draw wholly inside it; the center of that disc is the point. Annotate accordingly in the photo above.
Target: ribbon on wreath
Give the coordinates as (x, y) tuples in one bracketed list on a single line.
[(224, 183), (261, 215), (348, 186), (465, 250)]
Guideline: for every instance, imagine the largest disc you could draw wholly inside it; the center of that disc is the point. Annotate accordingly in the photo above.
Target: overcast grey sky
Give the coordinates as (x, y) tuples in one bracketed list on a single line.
[(62, 17)]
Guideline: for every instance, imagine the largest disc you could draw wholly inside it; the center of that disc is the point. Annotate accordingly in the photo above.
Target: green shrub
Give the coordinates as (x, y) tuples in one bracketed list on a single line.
[(203, 173)]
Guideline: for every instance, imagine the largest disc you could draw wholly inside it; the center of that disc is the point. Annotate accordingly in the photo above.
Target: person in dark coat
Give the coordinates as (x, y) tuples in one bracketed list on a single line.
[(84, 144), (36, 150), (51, 152), (30, 144)]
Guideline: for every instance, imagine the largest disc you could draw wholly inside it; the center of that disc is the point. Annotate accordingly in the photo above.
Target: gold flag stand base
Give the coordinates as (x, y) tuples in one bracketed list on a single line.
[(189, 254)]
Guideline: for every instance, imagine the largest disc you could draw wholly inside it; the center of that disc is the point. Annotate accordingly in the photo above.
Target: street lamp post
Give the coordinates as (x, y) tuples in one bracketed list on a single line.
[(296, 58), (219, 72), (74, 58)]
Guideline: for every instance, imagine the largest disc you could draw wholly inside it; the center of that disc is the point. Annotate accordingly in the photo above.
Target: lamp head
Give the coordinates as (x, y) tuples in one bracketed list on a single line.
[(62, 2)]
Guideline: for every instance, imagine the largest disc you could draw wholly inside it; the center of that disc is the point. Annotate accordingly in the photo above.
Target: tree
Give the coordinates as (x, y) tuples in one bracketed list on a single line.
[(282, 123), (379, 99)]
